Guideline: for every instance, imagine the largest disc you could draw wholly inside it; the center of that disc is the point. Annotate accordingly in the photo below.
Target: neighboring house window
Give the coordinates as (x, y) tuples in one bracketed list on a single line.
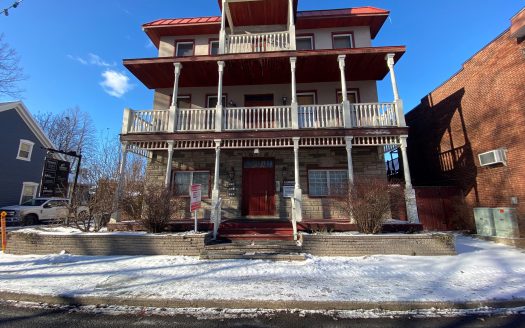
[(327, 182), (353, 96), (306, 98), (184, 48), (25, 149), (184, 179), (211, 101), (343, 41), (304, 42), (214, 48), (29, 190)]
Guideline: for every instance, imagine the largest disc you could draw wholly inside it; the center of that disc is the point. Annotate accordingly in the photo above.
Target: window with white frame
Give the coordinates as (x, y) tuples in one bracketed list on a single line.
[(184, 179), (184, 49), (342, 41), (306, 98), (304, 42), (353, 96), (29, 190), (327, 182), (214, 47), (25, 149), (211, 101)]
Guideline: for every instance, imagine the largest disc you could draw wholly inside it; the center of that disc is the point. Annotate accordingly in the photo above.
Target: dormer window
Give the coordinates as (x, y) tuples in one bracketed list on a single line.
[(184, 48), (343, 41)]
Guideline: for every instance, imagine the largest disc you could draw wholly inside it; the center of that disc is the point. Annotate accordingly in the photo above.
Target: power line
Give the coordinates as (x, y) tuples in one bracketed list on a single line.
[(5, 11)]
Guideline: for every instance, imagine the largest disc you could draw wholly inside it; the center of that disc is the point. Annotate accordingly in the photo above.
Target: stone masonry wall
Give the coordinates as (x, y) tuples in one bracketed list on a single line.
[(367, 161)]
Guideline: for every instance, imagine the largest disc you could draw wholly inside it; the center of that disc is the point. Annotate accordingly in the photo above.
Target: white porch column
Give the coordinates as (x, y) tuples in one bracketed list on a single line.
[(126, 120), (398, 102), (172, 124), (294, 104), (298, 193), (167, 180), (291, 25), (222, 33), (410, 194), (216, 177), (350, 162), (218, 109), (115, 216), (344, 92)]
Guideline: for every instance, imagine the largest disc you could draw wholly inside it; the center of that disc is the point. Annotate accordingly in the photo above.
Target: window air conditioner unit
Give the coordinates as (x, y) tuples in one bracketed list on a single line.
[(492, 157)]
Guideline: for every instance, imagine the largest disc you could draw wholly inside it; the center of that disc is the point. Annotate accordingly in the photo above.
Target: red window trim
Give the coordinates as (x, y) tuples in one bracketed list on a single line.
[(351, 33), (192, 41), (312, 35)]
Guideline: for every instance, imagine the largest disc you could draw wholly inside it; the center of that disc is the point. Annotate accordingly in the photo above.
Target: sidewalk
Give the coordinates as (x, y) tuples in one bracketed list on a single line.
[(483, 274)]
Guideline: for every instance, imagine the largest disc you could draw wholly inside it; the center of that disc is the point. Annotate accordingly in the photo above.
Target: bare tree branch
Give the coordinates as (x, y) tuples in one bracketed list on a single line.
[(10, 71)]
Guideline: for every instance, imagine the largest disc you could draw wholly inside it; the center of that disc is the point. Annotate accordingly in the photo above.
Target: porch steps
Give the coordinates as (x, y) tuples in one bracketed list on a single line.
[(275, 250), (256, 230)]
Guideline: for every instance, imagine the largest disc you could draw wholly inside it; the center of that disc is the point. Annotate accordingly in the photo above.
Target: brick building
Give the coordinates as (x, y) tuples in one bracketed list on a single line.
[(266, 106), (479, 109)]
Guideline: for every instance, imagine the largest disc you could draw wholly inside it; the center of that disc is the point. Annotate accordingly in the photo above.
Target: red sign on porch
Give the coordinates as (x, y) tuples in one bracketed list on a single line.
[(195, 197)]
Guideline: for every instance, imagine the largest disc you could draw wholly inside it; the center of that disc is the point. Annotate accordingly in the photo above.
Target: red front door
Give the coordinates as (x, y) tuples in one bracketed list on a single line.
[(258, 187)]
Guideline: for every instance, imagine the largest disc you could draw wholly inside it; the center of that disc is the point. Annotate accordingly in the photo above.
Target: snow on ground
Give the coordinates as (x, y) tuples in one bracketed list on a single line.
[(482, 271), (61, 231)]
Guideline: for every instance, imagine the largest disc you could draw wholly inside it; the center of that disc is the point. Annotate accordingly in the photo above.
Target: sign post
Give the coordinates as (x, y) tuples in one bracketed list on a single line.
[(4, 234), (195, 201)]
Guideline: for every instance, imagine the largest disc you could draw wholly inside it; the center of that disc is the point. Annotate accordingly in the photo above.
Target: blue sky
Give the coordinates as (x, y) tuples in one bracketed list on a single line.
[(72, 51)]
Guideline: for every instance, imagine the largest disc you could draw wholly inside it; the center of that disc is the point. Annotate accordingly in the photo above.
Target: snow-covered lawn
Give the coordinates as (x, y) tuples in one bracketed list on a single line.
[(481, 271)]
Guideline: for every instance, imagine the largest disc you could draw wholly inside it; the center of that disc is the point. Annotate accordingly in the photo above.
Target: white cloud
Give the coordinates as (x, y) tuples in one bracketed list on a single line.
[(96, 60), (78, 59), (115, 84)]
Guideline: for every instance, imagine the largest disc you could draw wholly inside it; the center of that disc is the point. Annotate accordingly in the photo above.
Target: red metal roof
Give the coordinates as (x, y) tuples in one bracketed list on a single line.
[(183, 21)]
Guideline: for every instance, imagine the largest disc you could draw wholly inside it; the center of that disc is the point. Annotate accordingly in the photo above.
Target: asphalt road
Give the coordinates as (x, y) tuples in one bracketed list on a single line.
[(26, 317)]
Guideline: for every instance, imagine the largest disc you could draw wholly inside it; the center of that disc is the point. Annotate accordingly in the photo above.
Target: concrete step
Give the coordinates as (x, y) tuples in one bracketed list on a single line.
[(255, 256), (257, 236)]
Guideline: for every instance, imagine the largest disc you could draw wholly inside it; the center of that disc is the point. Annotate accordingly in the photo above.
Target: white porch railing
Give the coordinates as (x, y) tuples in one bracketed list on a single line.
[(374, 115), (321, 116), (148, 121), (258, 42), (257, 118), (196, 119)]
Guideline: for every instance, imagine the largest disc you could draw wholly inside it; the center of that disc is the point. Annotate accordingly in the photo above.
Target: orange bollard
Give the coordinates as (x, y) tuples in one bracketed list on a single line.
[(4, 233)]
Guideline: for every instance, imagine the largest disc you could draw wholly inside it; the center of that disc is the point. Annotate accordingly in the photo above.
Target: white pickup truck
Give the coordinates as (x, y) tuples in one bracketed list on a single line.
[(39, 210)]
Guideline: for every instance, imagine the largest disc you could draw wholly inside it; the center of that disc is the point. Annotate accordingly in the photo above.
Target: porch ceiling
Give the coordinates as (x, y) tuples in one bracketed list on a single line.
[(265, 68), (259, 12)]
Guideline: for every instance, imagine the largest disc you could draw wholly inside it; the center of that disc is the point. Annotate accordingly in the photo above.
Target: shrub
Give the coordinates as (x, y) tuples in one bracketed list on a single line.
[(157, 209), (369, 202)]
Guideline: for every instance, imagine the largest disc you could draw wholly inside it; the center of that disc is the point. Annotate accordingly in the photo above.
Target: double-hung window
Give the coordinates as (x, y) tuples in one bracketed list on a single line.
[(322, 183), (184, 179), (25, 149)]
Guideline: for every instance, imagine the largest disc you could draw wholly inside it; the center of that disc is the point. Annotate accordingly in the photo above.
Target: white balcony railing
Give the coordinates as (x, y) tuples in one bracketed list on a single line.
[(148, 121), (257, 118), (321, 116), (374, 115), (362, 115), (196, 119), (258, 42)]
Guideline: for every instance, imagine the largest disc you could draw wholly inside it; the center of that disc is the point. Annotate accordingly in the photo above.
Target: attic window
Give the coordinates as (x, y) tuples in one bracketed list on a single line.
[(25, 149)]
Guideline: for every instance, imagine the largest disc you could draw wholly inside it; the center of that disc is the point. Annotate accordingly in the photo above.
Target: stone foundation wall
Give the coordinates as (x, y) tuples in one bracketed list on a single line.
[(105, 244), (362, 245), (367, 161)]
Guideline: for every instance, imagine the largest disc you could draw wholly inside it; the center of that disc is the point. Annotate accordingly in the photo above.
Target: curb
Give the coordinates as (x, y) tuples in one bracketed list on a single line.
[(259, 304)]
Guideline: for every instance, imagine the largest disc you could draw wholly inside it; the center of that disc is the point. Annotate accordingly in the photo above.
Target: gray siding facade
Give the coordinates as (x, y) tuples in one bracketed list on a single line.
[(14, 172)]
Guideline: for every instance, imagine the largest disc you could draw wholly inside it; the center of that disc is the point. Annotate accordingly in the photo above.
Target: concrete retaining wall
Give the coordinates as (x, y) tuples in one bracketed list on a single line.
[(361, 245), (104, 244)]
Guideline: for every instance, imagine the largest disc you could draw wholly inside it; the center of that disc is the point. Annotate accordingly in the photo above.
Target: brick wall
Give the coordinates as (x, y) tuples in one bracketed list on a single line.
[(362, 245), (481, 108), (104, 244), (368, 161)]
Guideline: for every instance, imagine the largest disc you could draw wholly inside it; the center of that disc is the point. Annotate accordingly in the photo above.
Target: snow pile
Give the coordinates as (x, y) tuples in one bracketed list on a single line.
[(63, 231), (481, 271)]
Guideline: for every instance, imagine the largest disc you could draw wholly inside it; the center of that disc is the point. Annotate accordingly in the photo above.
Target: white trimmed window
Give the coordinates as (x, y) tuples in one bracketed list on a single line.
[(211, 101), (25, 149), (184, 179), (352, 95), (306, 98), (322, 183), (304, 42), (29, 190), (342, 41), (214, 48), (184, 49)]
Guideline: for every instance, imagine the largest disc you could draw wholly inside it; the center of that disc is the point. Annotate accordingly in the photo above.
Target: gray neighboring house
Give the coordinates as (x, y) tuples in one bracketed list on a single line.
[(22, 148)]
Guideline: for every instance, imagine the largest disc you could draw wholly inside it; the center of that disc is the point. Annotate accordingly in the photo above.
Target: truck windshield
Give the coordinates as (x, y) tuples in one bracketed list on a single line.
[(34, 202)]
